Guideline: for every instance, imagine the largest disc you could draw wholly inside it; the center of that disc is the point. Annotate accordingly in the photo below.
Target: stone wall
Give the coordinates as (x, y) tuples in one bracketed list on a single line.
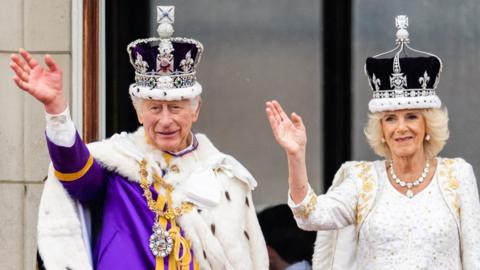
[(40, 27)]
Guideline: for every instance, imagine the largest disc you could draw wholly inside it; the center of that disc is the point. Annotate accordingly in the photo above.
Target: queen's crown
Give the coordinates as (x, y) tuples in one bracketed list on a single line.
[(408, 80)]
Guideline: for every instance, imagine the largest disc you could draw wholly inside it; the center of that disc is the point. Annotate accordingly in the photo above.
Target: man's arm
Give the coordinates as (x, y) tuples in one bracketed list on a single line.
[(74, 166), (76, 169)]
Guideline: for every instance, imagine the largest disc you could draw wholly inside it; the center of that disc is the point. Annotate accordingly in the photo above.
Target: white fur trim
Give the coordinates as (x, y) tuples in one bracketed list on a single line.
[(165, 94), (123, 152), (226, 247), (393, 104), (59, 230)]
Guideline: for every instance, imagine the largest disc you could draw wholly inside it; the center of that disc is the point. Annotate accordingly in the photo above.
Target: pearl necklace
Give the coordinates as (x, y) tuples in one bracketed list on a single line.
[(410, 185)]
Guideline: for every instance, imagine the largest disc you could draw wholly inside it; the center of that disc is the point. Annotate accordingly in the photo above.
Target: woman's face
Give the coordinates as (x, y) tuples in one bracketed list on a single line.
[(404, 132)]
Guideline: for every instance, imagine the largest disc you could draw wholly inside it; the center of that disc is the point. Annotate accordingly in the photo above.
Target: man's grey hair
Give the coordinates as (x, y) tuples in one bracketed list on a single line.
[(137, 103)]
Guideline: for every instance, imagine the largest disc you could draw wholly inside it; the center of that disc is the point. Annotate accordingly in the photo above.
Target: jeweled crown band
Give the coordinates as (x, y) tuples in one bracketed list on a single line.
[(161, 82), (404, 93)]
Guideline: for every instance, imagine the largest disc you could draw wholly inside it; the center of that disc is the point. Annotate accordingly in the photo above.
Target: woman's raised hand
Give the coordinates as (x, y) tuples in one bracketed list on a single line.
[(289, 132), (43, 83)]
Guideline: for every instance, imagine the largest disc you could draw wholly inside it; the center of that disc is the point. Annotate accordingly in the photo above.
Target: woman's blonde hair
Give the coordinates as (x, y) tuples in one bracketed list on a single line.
[(436, 121)]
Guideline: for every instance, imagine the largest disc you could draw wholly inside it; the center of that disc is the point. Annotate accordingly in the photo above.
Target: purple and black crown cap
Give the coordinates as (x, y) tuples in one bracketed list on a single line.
[(413, 68), (403, 81), (149, 52)]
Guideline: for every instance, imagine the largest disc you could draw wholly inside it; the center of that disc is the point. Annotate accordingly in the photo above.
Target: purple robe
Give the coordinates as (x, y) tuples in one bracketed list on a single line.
[(122, 242)]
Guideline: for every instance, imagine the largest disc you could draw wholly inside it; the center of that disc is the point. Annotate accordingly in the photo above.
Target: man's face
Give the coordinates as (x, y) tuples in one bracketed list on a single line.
[(167, 124)]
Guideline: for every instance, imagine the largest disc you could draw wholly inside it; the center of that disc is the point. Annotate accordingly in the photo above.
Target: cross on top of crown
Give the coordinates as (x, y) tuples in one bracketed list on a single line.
[(165, 14), (165, 19), (401, 22)]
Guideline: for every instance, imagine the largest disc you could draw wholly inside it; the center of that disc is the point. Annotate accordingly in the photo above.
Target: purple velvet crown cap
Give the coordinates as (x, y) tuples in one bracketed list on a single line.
[(165, 66)]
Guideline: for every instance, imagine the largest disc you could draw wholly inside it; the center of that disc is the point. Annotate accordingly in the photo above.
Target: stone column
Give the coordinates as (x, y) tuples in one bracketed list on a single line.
[(41, 27)]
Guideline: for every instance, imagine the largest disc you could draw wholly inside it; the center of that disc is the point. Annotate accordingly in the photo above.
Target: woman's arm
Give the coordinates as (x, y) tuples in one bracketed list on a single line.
[(336, 209), (290, 133), (469, 218)]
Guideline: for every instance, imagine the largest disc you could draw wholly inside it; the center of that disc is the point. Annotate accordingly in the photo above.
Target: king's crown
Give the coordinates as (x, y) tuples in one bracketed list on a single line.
[(164, 63)]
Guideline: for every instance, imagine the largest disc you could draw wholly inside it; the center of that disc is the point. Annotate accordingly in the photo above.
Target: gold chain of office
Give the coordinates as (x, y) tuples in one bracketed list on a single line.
[(170, 213)]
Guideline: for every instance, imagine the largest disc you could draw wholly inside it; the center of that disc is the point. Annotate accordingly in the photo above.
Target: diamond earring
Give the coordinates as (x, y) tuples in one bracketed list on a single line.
[(427, 137), (383, 140)]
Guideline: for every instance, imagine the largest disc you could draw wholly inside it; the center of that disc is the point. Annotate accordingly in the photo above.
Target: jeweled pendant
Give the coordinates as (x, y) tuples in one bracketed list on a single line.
[(409, 193), (161, 243)]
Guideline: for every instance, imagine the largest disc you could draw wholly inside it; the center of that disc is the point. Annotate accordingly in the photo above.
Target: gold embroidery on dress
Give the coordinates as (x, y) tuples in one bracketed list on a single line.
[(305, 210), (366, 193), (451, 185)]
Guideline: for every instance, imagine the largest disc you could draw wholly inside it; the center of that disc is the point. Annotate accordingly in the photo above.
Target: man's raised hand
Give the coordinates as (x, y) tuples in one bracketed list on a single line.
[(43, 83)]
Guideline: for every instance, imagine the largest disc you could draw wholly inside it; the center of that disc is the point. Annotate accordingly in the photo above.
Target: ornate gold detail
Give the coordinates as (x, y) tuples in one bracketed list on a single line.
[(451, 185), (365, 195), (305, 211), (449, 161), (456, 205), (359, 217), (161, 241), (174, 168), (162, 183), (154, 206), (368, 186), (143, 173)]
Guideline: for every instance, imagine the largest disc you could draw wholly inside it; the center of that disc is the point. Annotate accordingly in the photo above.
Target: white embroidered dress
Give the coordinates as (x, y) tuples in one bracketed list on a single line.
[(439, 228), (404, 233)]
